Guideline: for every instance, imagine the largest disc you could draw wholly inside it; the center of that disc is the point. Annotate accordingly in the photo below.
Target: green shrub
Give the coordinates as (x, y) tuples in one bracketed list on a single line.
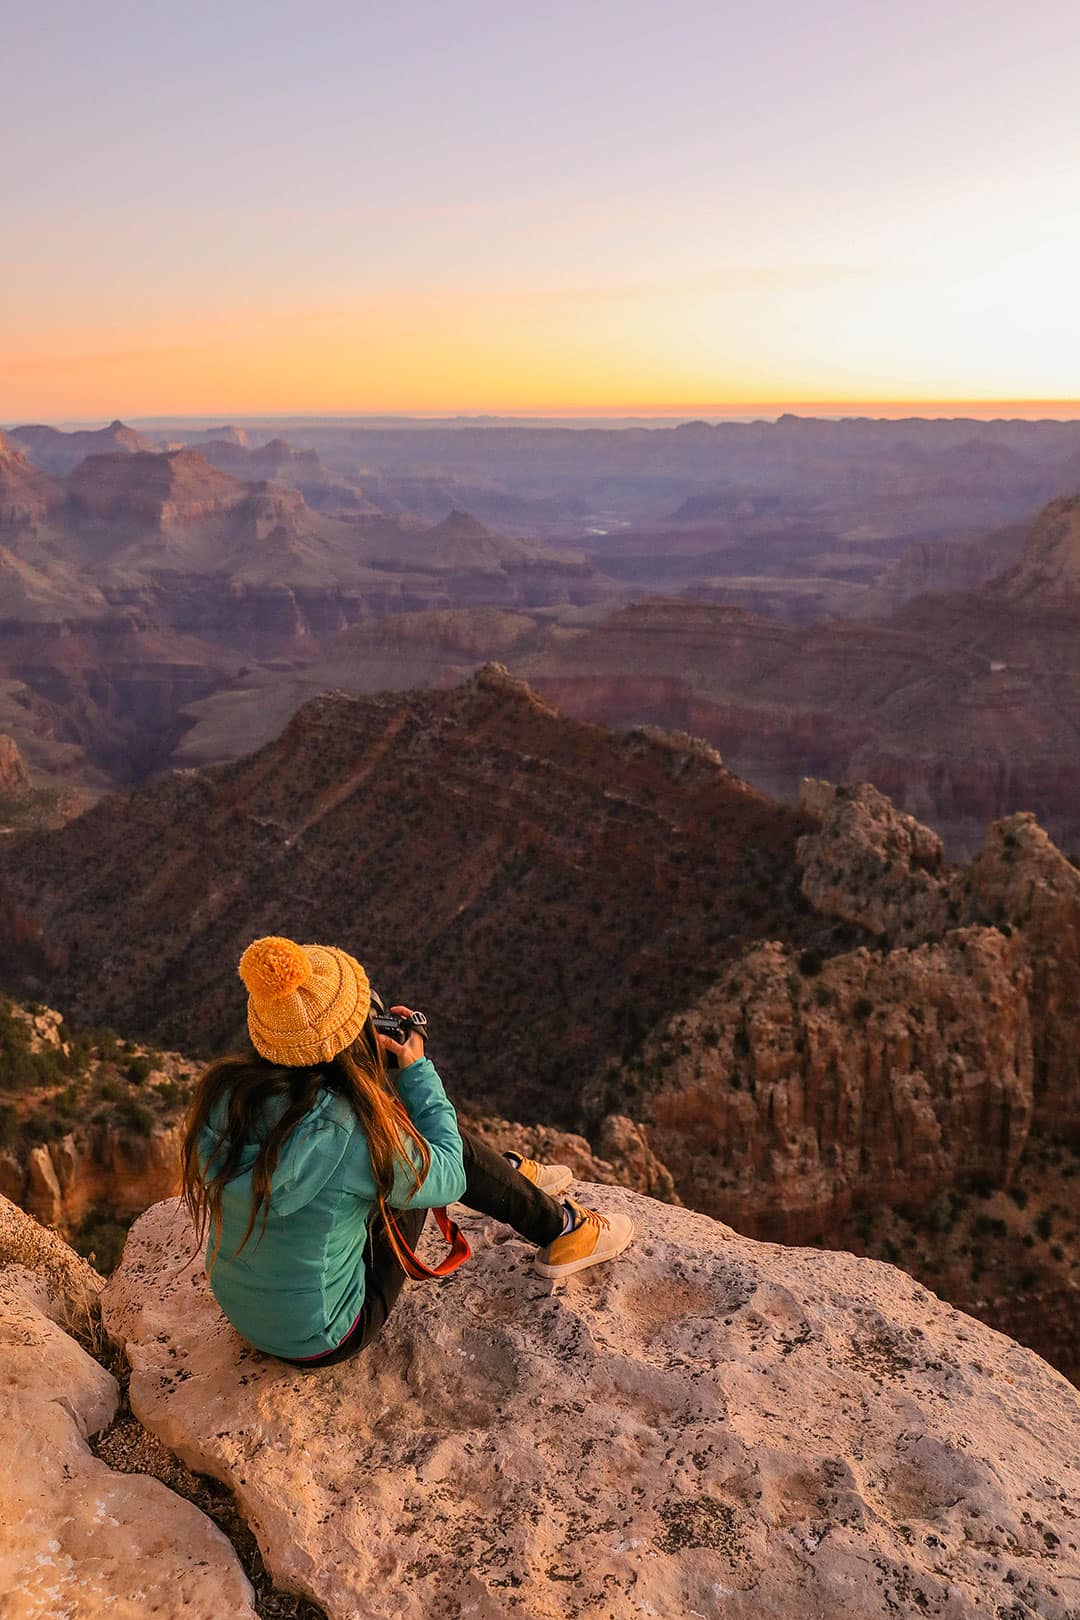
[(107, 1043), (67, 1102), (862, 1009), (134, 1116), (811, 962), (172, 1093), (44, 1125), (138, 1069)]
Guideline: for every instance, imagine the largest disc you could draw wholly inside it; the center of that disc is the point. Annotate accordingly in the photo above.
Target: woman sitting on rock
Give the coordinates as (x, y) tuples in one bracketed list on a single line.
[(310, 1168)]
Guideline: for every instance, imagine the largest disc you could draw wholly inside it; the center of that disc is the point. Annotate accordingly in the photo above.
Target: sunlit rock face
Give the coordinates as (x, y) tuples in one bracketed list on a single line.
[(77, 1538), (706, 1426)]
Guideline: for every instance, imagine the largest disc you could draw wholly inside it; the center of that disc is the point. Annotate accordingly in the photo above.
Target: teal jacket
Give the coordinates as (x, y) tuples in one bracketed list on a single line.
[(298, 1289)]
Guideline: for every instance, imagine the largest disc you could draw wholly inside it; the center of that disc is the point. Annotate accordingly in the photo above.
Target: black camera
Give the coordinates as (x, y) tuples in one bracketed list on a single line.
[(399, 1026)]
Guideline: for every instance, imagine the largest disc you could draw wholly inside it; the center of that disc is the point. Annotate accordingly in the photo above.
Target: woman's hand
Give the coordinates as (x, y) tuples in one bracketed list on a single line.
[(406, 1052)]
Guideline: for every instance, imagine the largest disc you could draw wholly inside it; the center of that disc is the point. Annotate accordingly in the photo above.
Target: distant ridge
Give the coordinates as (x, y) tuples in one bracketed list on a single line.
[(57, 452)]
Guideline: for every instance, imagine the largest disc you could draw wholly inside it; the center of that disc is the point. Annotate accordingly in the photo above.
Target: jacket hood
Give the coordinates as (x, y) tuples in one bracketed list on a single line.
[(309, 1155)]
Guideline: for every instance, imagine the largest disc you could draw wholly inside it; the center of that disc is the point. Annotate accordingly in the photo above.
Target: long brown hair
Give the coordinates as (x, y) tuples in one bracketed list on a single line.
[(245, 1082)]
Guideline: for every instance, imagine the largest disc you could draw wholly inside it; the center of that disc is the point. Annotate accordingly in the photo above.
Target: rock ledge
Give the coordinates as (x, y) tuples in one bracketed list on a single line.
[(710, 1427)]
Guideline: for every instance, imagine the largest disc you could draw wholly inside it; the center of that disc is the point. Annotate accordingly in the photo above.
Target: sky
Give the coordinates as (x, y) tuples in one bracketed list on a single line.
[(586, 206)]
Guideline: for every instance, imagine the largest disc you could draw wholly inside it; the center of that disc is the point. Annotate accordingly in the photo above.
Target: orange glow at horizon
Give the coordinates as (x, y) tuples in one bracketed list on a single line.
[(632, 352)]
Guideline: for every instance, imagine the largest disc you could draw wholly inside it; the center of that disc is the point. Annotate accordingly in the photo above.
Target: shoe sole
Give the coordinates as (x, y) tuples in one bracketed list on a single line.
[(555, 1272)]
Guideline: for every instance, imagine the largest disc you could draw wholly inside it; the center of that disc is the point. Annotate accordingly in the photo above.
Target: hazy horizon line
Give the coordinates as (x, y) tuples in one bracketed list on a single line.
[(986, 409)]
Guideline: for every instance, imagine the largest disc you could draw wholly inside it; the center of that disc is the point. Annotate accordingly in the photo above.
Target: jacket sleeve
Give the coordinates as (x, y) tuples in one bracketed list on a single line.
[(433, 1114)]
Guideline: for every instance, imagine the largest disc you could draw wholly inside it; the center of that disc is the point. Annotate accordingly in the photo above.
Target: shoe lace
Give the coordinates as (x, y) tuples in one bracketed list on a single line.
[(593, 1216)]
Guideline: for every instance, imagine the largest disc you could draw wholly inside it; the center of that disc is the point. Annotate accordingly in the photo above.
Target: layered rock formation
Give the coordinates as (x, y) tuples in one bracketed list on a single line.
[(884, 477), (101, 697), (77, 1538), (281, 463), (962, 707), (1013, 1260), (147, 580), (708, 1425), (878, 870), (1020, 880), (787, 1099), (801, 1090), (108, 1171), (170, 519)]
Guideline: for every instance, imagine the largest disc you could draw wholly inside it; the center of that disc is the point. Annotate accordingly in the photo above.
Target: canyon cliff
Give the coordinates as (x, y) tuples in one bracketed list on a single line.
[(963, 707), (144, 581), (90, 1126)]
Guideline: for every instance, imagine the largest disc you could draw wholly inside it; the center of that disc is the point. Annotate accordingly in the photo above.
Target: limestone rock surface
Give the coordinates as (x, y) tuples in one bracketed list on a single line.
[(77, 1539), (710, 1427), (869, 864)]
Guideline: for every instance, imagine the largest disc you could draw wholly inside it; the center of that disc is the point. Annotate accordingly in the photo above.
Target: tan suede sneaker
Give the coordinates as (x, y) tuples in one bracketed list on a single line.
[(594, 1238), (550, 1178)]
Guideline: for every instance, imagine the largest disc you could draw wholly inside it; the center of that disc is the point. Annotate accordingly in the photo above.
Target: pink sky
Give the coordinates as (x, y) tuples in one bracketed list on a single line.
[(589, 207)]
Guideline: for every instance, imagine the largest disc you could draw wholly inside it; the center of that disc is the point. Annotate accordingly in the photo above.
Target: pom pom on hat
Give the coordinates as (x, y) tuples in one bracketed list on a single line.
[(274, 967), (306, 1003)]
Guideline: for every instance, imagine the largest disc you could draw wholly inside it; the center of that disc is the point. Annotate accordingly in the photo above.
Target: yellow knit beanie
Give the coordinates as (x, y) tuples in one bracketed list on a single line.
[(306, 1003)]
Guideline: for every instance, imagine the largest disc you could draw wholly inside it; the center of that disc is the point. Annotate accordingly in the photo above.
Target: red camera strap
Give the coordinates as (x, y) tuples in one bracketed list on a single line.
[(457, 1255)]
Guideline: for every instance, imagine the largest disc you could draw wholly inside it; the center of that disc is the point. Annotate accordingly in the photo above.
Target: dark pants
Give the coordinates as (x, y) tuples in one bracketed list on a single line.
[(493, 1187)]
